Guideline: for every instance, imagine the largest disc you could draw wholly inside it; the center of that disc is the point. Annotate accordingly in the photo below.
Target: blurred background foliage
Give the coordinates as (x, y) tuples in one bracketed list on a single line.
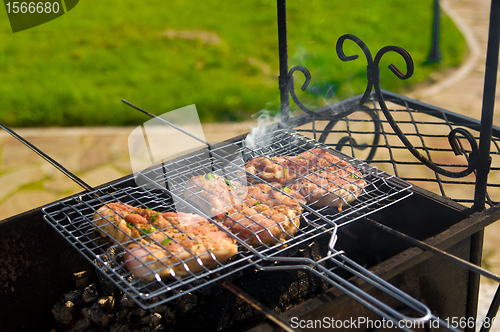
[(220, 55)]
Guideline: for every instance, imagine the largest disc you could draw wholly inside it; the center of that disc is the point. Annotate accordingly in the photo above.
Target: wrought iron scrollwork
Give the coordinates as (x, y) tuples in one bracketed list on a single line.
[(326, 131), (350, 140), (291, 91), (373, 77)]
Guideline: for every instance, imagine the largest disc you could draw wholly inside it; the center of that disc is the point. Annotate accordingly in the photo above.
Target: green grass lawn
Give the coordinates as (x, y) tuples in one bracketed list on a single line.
[(220, 55)]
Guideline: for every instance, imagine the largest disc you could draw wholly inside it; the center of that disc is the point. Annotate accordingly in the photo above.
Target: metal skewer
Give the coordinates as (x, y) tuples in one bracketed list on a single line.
[(51, 161), (442, 253), (166, 122), (171, 125)]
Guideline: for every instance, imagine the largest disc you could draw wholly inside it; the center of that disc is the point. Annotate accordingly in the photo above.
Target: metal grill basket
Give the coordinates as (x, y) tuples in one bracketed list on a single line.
[(72, 218)]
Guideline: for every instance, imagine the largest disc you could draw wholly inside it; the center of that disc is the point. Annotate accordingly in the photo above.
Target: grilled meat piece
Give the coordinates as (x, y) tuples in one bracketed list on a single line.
[(120, 222), (212, 193), (191, 244), (256, 214), (332, 187), (168, 244), (265, 216), (321, 177)]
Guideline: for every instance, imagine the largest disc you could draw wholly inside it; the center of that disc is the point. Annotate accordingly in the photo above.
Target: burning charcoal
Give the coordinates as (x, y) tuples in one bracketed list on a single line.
[(127, 302), (164, 311), (138, 312), (74, 296), (96, 313), (105, 320), (121, 319), (85, 312), (81, 325), (145, 329), (135, 317), (107, 303), (107, 288), (82, 279), (152, 320), (187, 302), (119, 328), (90, 294), (63, 313)]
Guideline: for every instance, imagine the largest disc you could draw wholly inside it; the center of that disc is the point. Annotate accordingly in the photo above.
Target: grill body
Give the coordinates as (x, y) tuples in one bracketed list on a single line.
[(39, 266)]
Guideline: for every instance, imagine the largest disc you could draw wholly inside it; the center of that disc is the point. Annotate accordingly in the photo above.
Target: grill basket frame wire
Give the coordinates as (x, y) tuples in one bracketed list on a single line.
[(110, 197)]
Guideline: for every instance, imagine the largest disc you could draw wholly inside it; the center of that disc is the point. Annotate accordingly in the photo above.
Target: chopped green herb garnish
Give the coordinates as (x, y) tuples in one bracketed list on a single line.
[(240, 193), (155, 216), (321, 171), (147, 231), (228, 183), (262, 159), (354, 176), (300, 157), (129, 225), (286, 189), (284, 171), (166, 241), (257, 203), (210, 176)]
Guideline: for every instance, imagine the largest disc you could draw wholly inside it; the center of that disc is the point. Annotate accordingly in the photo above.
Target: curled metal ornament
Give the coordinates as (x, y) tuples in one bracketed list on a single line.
[(307, 75), (373, 76), (290, 88), (348, 140)]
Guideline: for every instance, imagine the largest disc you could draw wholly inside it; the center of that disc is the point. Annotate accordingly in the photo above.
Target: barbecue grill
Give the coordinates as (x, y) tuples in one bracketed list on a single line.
[(331, 247)]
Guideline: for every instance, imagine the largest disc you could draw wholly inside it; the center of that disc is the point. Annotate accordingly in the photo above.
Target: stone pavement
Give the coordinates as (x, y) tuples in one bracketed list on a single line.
[(99, 155)]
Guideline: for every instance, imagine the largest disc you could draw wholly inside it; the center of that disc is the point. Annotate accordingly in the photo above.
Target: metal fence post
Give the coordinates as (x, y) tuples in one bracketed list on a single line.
[(435, 54)]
